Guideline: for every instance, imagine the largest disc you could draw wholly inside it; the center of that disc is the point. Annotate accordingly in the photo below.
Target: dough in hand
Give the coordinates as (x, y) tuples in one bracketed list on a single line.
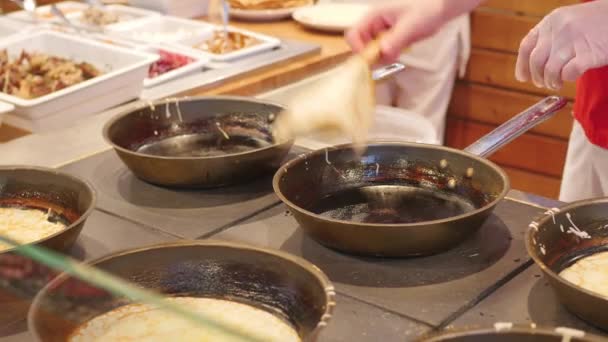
[(342, 102)]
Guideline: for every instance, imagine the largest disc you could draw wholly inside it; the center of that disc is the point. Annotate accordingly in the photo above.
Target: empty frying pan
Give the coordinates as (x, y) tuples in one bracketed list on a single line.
[(198, 142), (401, 199)]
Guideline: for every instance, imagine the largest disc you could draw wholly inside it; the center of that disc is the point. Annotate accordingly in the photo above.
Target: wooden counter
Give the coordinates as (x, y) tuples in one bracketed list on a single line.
[(333, 51)]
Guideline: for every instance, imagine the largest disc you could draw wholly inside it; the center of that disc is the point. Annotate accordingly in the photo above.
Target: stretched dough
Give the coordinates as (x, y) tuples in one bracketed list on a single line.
[(342, 102)]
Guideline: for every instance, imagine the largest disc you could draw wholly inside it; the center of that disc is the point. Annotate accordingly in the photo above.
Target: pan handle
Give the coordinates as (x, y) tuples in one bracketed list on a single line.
[(516, 126), (387, 71)]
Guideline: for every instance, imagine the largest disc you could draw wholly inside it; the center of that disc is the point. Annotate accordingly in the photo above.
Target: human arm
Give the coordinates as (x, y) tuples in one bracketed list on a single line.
[(405, 22)]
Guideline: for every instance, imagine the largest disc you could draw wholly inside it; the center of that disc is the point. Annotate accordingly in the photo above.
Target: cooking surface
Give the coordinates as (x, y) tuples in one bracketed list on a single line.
[(415, 287), (378, 299), (186, 214)]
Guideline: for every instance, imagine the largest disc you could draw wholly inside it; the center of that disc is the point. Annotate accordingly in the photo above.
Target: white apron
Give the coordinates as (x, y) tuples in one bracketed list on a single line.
[(585, 170)]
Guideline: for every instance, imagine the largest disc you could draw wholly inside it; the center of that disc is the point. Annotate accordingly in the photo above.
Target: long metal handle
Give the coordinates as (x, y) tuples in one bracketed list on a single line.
[(387, 71), (516, 126)]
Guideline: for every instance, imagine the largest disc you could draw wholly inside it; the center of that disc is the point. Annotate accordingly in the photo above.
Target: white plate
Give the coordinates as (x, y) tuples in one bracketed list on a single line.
[(121, 66), (266, 43), (133, 12), (330, 17), (44, 12), (161, 30), (263, 15), (198, 64)]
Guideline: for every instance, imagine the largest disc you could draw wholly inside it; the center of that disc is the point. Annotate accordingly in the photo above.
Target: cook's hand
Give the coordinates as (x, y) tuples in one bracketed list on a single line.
[(407, 21), (565, 44)]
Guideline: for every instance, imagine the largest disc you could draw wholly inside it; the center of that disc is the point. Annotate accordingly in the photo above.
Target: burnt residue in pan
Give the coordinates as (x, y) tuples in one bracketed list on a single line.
[(400, 193), (391, 204)]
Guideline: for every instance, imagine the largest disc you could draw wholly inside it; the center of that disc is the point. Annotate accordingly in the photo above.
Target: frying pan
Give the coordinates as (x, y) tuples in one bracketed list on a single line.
[(515, 334), (71, 201), (401, 199), (554, 248), (277, 282), (199, 142)]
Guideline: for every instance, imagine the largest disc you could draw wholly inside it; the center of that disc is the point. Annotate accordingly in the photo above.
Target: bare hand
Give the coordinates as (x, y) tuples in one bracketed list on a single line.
[(407, 21), (565, 44)]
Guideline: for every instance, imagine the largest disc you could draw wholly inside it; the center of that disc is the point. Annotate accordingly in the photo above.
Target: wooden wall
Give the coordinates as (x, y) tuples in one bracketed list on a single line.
[(489, 95)]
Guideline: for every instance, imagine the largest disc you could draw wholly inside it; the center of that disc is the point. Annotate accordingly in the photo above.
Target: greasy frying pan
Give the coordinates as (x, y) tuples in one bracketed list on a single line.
[(198, 142), (401, 199), (70, 200), (554, 244), (516, 334), (277, 282)]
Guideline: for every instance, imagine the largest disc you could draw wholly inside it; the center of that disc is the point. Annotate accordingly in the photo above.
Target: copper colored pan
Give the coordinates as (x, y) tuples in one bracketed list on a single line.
[(287, 286), (554, 244), (70, 201), (512, 333), (401, 199), (198, 142)]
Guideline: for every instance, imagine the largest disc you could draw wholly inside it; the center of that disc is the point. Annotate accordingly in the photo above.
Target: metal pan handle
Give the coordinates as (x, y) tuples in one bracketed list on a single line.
[(387, 71), (516, 126)]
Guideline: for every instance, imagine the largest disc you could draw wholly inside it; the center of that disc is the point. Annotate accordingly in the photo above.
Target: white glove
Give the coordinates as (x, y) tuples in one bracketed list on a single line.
[(565, 44)]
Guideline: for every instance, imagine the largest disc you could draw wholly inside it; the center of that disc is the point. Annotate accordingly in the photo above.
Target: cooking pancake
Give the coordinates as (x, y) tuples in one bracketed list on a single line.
[(590, 273), (138, 322), (26, 225)]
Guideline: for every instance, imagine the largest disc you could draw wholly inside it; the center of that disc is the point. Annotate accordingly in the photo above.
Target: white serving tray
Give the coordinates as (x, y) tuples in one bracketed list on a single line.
[(200, 61), (137, 13), (161, 30), (121, 67), (44, 14), (266, 43)]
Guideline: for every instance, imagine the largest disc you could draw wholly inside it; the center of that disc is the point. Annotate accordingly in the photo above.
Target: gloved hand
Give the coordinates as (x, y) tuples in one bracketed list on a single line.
[(408, 21), (565, 44)]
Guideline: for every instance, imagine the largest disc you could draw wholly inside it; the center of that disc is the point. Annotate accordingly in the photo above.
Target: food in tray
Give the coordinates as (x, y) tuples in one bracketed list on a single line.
[(590, 273), (99, 17), (27, 225), (32, 74), (96, 16), (136, 322), (268, 4), (162, 37), (221, 44), (168, 61)]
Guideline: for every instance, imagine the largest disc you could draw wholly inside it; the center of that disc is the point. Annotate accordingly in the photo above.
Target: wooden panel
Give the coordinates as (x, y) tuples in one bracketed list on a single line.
[(498, 69), (495, 106), (533, 183), (529, 152), (499, 30), (533, 7)]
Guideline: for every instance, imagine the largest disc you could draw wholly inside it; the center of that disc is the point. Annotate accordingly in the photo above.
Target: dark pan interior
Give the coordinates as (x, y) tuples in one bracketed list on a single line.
[(196, 128), (391, 184), (264, 280), (39, 189), (558, 249)]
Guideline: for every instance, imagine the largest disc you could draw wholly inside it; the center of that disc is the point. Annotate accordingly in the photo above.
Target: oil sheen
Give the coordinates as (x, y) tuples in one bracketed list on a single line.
[(391, 204)]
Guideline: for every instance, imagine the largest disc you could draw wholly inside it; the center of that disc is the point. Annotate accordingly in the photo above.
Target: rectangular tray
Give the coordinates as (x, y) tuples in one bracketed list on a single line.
[(121, 67)]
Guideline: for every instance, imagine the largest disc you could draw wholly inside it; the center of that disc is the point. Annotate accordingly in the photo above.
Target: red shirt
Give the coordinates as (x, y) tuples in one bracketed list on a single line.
[(591, 105)]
